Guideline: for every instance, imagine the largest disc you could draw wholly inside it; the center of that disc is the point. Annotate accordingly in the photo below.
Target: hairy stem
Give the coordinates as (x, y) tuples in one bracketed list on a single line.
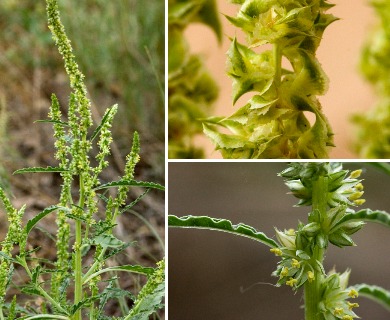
[(312, 289)]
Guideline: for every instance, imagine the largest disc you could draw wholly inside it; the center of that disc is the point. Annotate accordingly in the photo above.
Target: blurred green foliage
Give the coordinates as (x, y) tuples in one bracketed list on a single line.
[(373, 136), (191, 88), (119, 45)]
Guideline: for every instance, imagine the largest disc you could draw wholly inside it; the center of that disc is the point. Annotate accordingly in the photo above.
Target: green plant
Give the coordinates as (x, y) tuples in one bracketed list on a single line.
[(191, 88), (375, 66), (331, 192), (273, 123), (69, 287), (128, 68)]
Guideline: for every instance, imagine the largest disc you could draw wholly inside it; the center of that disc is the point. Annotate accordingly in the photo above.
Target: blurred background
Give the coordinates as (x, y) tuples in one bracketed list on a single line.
[(338, 53), (213, 275), (119, 46)]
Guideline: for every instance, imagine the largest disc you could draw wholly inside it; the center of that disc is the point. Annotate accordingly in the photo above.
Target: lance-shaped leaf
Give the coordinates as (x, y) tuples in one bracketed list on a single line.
[(39, 169), (131, 183), (385, 167), (104, 120), (150, 297), (377, 216), (127, 268), (62, 123), (375, 293), (32, 222), (204, 222)]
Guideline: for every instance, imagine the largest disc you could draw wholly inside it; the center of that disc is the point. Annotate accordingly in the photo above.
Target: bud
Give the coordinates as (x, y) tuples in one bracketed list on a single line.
[(277, 251), (352, 227), (311, 229), (356, 195), (285, 239), (355, 174), (340, 239)]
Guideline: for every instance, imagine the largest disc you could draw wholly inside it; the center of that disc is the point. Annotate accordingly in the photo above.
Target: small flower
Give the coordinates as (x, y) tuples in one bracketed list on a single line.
[(355, 174), (338, 311), (353, 293), (310, 276), (291, 282), (356, 195), (284, 272), (359, 186), (352, 305), (277, 251), (359, 202), (295, 264)]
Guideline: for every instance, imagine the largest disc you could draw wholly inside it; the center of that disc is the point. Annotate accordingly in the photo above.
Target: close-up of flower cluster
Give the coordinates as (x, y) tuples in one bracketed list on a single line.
[(332, 192), (273, 123)]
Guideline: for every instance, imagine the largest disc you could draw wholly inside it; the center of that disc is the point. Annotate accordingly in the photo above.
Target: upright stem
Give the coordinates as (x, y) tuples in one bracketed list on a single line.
[(78, 294), (278, 65), (313, 288), (1, 312)]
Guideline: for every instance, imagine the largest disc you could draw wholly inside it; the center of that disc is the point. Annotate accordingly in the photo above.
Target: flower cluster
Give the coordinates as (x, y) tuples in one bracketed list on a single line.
[(297, 265), (14, 236), (331, 191), (334, 297), (273, 124), (191, 89), (343, 189)]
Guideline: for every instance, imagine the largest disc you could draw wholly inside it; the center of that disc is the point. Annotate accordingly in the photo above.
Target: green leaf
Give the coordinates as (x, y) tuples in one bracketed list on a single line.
[(377, 216), (65, 124), (204, 222), (375, 293), (76, 217), (5, 256), (35, 274), (132, 268), (150, 297), (108, 241), (39, 169), (130, 183), (208, 14), (104, 120), (127, 268), (31, 290), (224, 141), (133, 203), (115, 251), (32, 222), (384, 167)]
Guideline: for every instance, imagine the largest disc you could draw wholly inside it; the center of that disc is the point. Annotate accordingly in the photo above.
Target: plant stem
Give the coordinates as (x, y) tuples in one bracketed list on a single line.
[(78, 294), (313, 288), (51, 300), (1, 312), (99, 259), (278, 65)]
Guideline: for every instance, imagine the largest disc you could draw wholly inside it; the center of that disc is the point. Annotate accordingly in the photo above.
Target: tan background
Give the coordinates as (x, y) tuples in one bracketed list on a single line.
[(338, 53)]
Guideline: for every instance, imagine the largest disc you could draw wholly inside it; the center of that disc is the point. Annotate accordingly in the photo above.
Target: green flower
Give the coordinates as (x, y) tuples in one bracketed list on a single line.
[(334, 294), (342, 189)]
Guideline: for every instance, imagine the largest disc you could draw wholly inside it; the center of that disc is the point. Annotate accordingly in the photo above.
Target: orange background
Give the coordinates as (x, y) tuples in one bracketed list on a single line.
[(338, 53)]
